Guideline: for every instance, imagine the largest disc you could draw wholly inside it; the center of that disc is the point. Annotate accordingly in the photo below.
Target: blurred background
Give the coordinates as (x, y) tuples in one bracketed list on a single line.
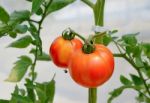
[(128, 16)]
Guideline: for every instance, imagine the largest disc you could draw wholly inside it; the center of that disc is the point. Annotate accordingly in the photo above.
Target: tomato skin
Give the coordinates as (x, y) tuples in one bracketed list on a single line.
[(94, 69), (61, 50)]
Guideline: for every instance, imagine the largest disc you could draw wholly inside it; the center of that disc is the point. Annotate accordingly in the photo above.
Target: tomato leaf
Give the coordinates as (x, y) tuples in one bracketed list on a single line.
[(115, 93), (43, 57), (21, 28), (130, 39), (36, 5), (4, 16), (58, 4), (125, 80), (136, 80), (19, 70), (45, 91), (146, 49), (19, 16), (22, 42), (4, 29), (30, 89)]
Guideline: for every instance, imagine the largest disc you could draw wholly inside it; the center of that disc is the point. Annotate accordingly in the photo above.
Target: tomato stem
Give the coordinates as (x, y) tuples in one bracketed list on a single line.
[(92, 95), (78, 35)]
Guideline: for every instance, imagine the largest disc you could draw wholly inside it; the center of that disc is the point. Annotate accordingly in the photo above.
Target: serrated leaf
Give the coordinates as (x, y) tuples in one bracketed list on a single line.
[(4, 16), (39, 11), (21, 99), (46, 91), (21, 28), (30, 89), (125, 81), (16, 91), (136, 80), (146, 49), (58, 4), (19, 16), (4, 29), (22, 42), (115, 93), (36, 5), (19, 70), (43, 57), (130, 39)]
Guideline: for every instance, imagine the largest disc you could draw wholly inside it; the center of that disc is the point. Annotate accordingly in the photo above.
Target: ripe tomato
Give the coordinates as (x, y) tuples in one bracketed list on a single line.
[(61, 50), (92, 70)]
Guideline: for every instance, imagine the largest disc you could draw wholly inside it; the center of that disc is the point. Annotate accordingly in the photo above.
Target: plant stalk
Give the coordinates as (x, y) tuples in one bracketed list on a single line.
[(92, 95), (98, 10)]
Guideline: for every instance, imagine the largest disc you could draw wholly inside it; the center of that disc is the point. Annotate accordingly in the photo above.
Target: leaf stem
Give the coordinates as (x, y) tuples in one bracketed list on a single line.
[(40, 24), (136, 67), (89, 3), (77, 34)]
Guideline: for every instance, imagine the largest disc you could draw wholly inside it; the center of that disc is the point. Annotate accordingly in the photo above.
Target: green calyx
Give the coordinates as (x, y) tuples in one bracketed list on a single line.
[(88, 48), (68, 35)]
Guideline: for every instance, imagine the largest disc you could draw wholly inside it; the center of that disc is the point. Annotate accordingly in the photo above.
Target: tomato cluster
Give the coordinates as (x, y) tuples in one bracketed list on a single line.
[(87, 69)]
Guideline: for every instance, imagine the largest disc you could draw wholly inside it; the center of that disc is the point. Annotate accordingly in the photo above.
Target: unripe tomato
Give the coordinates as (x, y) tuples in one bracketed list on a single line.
[(92, 70), (61, 50)]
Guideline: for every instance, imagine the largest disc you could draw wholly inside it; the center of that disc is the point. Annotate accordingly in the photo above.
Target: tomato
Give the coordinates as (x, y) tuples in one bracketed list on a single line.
[(61, 50), (94, 69)]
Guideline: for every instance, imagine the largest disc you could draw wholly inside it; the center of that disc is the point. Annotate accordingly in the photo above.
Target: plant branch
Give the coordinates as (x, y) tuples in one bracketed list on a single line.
[(77, 34), (136, 67), (89, 3)]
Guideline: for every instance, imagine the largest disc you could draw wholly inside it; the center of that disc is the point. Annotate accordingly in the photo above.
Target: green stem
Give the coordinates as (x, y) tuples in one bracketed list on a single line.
[(38, 46), (99, 12), (137, 68), (92, 95), (89, 3), (80, 36), (40, 24)]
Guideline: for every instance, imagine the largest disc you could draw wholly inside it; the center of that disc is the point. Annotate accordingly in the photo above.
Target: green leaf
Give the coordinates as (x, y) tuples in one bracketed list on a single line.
[(12, 34), (22, 42), (136, 80), (39, 11), (115, 93), (43, 57), (4, 29), (30, 89), (106, 39), (19, 70), (125, 80), (19, 16), (4, 101), (130, 39), (139, 62), (21, 99), (21, 28), (146, 49), (4, 16), (16, 91), (46, 91), (58, 4), (36, 5)]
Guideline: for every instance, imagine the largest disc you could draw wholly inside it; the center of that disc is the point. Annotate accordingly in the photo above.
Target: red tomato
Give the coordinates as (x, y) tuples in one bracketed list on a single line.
[(92, 70), (61, 50)]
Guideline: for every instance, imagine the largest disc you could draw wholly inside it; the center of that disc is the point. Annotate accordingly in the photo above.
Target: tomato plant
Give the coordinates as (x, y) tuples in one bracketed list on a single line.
[(90, 66), (61, 50), (93, 69)]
